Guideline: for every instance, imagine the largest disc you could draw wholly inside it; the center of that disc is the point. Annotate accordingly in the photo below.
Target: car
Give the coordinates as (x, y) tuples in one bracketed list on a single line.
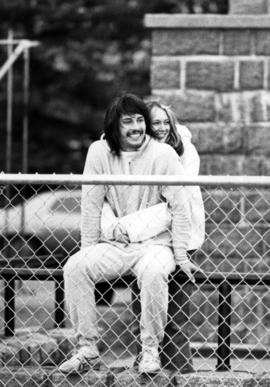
[(47, 224)]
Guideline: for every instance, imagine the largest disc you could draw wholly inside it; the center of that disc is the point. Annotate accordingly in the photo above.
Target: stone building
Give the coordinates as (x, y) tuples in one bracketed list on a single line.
[(214, 71)]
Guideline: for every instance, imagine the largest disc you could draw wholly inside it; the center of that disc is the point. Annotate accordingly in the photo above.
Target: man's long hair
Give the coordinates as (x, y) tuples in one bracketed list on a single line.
[(125, 104)]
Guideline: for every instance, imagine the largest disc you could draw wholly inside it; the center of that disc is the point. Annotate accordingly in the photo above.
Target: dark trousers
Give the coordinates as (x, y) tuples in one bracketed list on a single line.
[(175, 350)]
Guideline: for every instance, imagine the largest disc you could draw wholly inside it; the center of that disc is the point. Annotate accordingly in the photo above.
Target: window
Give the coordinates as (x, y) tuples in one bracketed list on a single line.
[(70, 205)]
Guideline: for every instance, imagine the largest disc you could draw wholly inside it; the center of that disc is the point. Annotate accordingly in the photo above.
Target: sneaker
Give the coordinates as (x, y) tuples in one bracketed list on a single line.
[(150, 361), (86, 358)]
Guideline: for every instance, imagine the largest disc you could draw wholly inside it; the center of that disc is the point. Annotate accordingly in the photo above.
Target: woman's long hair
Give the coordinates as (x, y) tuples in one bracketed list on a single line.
[(174, 138), (125, 104)]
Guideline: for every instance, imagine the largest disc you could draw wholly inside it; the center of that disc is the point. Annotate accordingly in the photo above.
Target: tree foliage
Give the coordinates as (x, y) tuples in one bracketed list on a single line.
[(90, 50)]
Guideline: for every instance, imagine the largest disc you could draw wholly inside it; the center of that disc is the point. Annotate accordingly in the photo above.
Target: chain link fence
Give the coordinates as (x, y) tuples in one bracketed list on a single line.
[(222, 325)]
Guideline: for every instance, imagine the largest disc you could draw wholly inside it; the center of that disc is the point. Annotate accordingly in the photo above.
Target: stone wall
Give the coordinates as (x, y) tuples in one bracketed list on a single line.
[(214, 71), (249, 6)]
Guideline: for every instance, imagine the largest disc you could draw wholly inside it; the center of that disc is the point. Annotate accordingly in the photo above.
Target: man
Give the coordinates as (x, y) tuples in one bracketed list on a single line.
[(128, 147)]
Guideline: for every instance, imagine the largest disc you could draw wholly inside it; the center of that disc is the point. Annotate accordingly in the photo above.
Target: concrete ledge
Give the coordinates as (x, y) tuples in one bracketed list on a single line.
[(30, 347), (181, 21), (32, 357), (29, 376)]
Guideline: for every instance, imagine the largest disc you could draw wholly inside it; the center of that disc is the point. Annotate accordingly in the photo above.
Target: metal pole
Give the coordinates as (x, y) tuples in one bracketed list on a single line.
[(59, 314), (26, 82), (25, 134), (9, 109), (9, 290), (172, 180), (12, 58), (8, 155), (9, 310), (224, 327)]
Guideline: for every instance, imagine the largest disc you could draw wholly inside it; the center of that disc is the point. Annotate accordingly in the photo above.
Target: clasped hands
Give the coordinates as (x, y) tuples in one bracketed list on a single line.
[(120, 234)]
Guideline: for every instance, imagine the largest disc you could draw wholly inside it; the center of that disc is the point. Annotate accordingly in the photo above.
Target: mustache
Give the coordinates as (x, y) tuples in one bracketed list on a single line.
[(134, 131)]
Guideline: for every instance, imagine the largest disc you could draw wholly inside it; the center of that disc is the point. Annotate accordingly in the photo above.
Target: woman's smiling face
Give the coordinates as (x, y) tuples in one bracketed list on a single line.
[(160, 123)]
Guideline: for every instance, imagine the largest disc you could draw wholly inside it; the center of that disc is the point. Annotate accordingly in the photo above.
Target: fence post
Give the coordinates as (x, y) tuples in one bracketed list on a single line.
[(9, 311), (59, 315), (224, 327)]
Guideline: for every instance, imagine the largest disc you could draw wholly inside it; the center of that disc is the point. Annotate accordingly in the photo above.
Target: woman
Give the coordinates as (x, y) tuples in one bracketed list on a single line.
[(167, 129), (175, 351)]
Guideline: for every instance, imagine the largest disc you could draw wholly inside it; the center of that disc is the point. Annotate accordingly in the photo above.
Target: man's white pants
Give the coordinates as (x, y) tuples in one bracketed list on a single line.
[(151, 264)]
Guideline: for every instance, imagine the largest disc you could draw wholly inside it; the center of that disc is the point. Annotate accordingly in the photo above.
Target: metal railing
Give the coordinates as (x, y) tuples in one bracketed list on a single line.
[(16, 48), (229, 309)]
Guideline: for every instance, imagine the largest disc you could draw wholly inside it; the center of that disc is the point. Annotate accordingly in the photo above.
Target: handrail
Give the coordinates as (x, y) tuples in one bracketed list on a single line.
[(203, 279), (233, 278), (24, 44), (32, 43), (78, 179)]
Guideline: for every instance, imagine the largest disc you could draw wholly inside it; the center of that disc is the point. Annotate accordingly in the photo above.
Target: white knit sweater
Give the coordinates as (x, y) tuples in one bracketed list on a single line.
[(144, 224), (152, 158)]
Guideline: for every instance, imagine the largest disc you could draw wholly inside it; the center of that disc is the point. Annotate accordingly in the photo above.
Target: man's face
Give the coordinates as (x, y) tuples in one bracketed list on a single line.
[(132, 131)]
